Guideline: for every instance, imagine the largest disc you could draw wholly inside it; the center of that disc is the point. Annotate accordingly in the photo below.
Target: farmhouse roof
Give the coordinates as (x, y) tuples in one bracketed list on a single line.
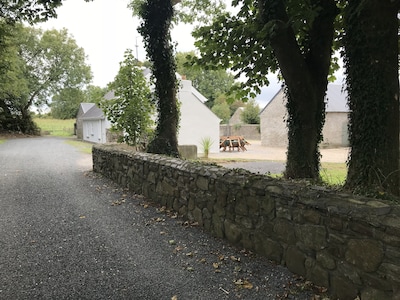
[(336, 99)]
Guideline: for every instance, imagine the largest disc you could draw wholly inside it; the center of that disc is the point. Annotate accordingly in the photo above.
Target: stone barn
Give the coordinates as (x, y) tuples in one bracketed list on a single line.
[(335, 133)]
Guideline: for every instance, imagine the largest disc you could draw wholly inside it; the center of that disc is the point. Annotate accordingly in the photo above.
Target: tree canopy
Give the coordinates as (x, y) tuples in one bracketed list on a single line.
[(210, 83), (294, 37), (41, 65)]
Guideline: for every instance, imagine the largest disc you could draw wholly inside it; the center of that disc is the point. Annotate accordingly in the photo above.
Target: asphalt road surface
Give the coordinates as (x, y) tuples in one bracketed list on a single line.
[(67, 233)]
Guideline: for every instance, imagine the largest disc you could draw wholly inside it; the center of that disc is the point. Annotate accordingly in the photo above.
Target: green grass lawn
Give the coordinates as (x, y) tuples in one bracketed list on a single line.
[(333, 173), (55, 127)]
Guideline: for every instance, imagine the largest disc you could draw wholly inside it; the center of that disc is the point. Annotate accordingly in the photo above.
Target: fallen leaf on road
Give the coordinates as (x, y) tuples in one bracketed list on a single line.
[(175, 297), (243, 283)]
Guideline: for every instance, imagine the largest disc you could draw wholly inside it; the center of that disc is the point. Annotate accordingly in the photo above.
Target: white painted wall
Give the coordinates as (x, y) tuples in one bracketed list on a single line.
[(95, 130), (197, 120)]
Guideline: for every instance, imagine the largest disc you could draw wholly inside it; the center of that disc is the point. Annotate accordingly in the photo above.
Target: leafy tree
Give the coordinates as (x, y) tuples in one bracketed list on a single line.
[(251, 113), (295, 37), (14, 87), (371, 60), (65, 105), (44, 64), (30, 11), (221, 109), (210, 83), (94, 94), (130, 112)]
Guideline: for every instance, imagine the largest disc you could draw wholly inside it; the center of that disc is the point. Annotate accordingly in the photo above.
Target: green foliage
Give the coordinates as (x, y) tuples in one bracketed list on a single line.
[(251, 113), (188, 11), (221, 109), (65, 105), (94, 94), (155, 29), (206, 143), (30, 11), (37, 65), (210, 83), (131, 109)]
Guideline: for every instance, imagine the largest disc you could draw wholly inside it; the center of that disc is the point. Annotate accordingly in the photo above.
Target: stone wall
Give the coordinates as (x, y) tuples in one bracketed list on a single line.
[(349, 244), (248, 131)]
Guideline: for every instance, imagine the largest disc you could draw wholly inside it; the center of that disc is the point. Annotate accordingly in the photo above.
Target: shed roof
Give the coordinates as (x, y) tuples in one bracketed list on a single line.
[(93, 113)]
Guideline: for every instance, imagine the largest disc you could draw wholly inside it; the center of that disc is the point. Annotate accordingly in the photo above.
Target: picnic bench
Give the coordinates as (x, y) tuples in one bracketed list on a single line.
[(232, 142)]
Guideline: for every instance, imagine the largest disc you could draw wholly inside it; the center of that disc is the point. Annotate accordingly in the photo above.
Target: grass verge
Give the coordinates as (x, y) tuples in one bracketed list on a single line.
[(82, 146), (55, 127)]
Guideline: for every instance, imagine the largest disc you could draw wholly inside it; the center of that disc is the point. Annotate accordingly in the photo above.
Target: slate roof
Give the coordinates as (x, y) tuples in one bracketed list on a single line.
[(336, 99), (86, 106), (94, 113)]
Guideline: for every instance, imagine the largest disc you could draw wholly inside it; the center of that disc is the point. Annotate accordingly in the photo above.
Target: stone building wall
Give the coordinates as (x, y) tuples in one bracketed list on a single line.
[(349, 244), (248, 131)]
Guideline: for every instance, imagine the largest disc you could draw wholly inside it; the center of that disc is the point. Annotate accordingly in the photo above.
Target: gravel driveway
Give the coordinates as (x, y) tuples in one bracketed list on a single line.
[(67, 233)]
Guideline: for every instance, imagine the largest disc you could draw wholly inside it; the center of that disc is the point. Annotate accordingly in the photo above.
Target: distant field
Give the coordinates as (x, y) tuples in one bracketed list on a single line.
[(55, 127)]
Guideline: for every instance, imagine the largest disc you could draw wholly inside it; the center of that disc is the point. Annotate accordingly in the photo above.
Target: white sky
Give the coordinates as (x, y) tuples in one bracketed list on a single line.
[(106, 28)]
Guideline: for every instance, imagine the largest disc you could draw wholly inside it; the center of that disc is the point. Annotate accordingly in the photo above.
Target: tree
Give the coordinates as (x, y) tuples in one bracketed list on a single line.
[(157, 17), (210, 83), (155, 28), (44, 64), (130, 112), (14, 86), (94, 94), (221, 109), (295, 37), (371, 60), (65, 105), (251, 113), (30, 11)]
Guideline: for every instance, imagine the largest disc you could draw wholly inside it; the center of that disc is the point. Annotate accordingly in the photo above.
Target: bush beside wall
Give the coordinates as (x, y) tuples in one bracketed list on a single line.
[(349, 244)]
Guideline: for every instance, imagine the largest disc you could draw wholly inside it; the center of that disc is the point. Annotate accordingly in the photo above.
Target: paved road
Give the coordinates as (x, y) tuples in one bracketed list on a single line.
[(66, 233)]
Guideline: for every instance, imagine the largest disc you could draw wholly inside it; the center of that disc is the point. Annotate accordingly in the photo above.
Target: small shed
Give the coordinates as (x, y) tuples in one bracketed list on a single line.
[(335, 132), (91, 123)]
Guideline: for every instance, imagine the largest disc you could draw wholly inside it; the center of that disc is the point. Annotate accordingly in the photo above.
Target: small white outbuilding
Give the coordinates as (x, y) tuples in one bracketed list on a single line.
[(91, 123), (197, 121)]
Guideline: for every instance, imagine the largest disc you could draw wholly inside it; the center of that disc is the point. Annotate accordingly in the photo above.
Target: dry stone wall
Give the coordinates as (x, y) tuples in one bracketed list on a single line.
[(349, 244)]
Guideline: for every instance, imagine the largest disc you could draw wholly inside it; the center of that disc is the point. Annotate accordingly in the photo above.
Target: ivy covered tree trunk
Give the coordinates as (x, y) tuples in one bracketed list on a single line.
[(305, 71), (155, 29), (371, 60)]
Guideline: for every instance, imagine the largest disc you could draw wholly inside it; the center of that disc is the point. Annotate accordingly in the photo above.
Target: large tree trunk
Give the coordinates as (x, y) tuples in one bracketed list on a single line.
[(305, 72), (157, 16), (371, 59)]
